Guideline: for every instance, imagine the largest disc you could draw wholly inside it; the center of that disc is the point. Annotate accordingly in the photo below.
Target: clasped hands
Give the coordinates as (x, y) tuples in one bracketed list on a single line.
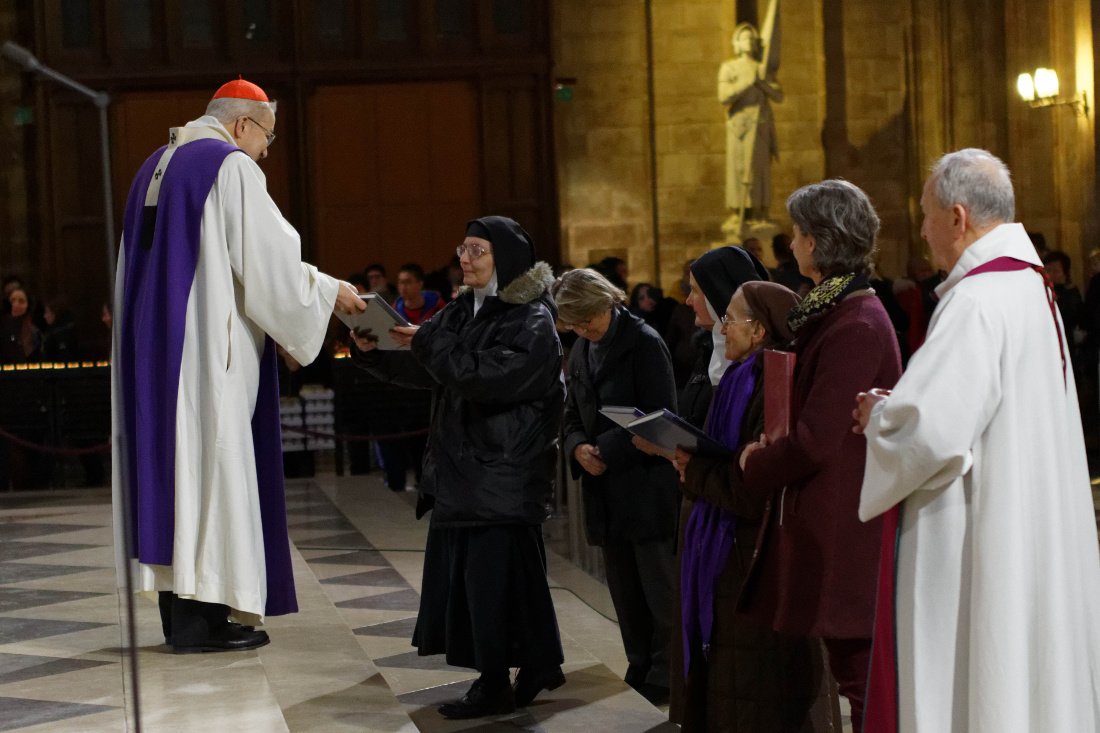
[(865, 402), (588, 456)]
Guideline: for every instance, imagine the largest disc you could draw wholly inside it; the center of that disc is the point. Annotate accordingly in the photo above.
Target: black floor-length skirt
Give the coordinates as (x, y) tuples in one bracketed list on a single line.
[(485, 602)]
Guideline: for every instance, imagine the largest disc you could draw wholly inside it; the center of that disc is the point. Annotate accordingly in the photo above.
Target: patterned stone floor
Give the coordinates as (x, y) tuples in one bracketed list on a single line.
[(342, 663)]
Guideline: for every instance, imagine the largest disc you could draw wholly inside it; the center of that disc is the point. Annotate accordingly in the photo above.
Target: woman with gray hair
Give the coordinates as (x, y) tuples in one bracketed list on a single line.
[(816, 571), (630, 498)]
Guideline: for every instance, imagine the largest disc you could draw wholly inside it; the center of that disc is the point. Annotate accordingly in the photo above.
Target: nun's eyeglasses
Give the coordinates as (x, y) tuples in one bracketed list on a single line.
[(475, 250), (727, 321)]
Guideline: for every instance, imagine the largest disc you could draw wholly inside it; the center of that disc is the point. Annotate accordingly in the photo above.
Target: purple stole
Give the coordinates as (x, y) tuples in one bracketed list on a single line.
[(161, 257), (881, 711), (709, 533)]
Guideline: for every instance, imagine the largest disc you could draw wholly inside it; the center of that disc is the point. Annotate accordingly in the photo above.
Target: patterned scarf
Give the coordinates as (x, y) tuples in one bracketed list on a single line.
[(823, 298)]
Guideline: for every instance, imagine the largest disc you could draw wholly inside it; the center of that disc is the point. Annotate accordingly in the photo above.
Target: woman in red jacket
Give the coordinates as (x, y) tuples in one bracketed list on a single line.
[(816, 572)]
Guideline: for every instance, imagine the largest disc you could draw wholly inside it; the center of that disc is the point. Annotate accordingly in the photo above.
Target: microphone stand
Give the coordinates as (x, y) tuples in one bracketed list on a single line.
[(24, 58)]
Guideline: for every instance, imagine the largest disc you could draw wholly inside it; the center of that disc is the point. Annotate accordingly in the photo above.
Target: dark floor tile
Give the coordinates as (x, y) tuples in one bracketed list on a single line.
[(336, 524), (22, 550), (402, 629), (14, 630), (433, 662), (303, 510), (18, 599), (20, 667), (368, 558), (23, 530), (401, 600), (348, 540), (21, 572), (385, 577), (20, 712)]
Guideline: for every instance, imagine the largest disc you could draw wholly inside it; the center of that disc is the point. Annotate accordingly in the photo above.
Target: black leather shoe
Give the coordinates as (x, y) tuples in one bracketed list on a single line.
[(480, 701), (230, 638), (234, 624), (530, 684)]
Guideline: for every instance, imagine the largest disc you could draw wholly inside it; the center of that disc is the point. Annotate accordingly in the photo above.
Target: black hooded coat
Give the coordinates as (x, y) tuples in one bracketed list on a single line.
[(497, 392)]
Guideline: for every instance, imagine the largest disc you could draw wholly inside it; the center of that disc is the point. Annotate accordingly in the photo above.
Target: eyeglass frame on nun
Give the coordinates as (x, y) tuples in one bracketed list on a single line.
[(474, 249)]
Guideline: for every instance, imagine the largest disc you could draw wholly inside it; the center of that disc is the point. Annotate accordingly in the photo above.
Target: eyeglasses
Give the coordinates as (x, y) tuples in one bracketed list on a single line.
[(475, 250), (269, 133), (727, 321)]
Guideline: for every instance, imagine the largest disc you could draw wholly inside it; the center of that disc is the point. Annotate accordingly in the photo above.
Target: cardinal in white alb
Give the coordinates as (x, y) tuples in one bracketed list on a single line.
[(988, 614), (209, 277)]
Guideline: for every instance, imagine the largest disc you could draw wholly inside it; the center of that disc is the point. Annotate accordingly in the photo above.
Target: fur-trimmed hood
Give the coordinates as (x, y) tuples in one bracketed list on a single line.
[(528, 287)]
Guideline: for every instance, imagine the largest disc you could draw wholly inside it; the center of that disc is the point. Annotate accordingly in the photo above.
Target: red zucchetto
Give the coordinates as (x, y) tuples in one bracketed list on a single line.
[(240, 89)]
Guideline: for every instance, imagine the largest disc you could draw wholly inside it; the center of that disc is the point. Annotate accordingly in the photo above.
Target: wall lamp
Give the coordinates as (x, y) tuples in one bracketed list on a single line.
[(1041, 90)]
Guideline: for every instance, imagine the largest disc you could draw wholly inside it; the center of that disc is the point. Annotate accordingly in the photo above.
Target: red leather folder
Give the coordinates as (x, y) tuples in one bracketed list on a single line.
[(778, 393)]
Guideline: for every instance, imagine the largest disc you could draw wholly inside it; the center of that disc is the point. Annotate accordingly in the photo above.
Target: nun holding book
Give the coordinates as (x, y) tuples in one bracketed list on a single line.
[(738, 674)]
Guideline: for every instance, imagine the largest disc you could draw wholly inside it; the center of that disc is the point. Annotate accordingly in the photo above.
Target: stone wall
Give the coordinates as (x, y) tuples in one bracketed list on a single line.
[(601, 135), (867, 126), (603, 138), (874, 92)]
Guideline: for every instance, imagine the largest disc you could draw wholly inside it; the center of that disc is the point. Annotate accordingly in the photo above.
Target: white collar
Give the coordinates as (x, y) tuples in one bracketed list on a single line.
[(1003, 240), (480, 294), (718, 361)]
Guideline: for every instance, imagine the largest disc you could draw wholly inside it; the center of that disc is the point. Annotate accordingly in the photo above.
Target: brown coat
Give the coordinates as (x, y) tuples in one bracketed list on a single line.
[(816, 572), (753, 679)]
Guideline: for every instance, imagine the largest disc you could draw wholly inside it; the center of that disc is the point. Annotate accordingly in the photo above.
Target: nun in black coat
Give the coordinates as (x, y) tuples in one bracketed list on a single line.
[(492, 360)]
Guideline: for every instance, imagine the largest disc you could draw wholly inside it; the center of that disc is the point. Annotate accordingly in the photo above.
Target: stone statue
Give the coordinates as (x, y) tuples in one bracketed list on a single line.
[(746, 88)]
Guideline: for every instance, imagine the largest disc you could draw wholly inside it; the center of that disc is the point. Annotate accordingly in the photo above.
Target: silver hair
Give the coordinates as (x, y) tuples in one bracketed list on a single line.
[(843, 223), (583, 294), (979, 181), (226, 110)]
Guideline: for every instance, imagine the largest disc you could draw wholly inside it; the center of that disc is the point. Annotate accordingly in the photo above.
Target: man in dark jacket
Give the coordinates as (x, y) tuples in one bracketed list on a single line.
[(493, 362)]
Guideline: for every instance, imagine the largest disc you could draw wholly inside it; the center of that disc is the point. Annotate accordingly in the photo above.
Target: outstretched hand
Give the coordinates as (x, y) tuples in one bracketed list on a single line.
[(403, 335), (348, 300)]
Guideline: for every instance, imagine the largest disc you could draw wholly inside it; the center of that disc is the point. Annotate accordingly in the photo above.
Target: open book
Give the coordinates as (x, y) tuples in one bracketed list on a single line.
[(666, 429), (377, 319)]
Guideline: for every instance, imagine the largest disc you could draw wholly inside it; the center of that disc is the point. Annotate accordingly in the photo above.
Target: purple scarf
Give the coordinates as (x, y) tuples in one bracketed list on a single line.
[(709, 535)]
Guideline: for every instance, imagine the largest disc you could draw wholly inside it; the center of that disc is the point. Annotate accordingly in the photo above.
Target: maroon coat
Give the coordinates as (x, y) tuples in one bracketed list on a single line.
[(815, 573)]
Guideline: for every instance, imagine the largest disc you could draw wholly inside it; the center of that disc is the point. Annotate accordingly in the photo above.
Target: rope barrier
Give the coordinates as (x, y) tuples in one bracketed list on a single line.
[(106, 447), (348, 438), (52, 449)]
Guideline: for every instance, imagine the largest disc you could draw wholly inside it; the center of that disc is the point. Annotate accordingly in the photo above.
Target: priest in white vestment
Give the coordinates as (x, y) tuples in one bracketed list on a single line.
[(993, 622), (209, 277)]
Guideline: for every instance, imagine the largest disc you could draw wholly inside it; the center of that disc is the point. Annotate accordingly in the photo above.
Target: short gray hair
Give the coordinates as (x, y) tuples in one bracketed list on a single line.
[(584, 294), (226, 109), (843, 223), (979, 181)]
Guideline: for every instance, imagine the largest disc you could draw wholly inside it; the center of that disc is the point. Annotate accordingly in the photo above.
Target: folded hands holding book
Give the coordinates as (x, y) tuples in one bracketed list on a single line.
[(365, 339)]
